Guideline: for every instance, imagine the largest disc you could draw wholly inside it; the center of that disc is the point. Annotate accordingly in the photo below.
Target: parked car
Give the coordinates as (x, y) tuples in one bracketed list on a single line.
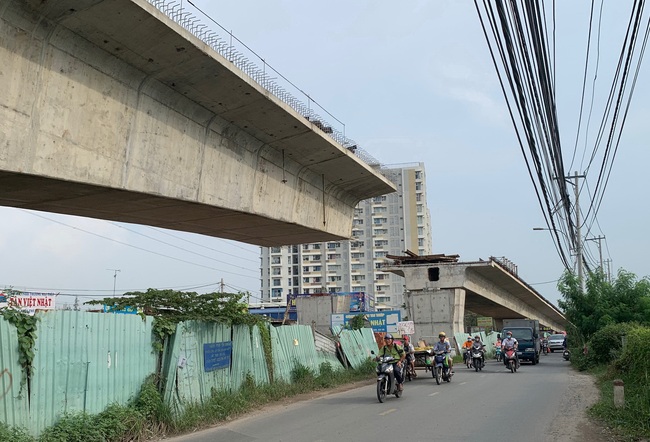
[(555, 342)]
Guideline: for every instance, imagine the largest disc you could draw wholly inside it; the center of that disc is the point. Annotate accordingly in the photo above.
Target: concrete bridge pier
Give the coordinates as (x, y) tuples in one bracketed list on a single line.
[(434, 310)]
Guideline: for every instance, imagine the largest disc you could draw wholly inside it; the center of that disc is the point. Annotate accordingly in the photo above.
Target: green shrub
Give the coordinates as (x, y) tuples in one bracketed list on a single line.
[(605, 344), (300, 373), (73, 427), (14, 434)]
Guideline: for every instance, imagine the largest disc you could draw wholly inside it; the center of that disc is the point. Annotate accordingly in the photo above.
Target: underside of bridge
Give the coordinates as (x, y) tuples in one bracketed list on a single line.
[(115, 111)]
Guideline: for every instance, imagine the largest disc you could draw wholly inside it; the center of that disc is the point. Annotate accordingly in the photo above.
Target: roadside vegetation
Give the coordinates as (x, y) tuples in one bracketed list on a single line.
[(609, 337), (147, 417)]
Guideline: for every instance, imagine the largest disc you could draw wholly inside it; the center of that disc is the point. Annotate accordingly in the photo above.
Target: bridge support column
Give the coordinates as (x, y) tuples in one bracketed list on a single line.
[(436, 310)]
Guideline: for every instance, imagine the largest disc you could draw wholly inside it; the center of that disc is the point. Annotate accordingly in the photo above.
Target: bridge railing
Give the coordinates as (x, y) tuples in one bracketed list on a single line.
[(245, 59)]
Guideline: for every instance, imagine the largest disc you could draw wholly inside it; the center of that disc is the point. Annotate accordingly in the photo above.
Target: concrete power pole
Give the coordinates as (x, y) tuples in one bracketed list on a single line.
[(600, 250), (579, 261)]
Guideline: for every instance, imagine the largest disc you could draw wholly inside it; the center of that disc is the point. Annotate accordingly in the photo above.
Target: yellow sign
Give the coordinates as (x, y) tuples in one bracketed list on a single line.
[(484, 321)]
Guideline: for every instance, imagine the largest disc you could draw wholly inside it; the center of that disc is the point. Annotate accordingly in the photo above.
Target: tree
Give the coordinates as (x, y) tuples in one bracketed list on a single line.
[(626, 299)]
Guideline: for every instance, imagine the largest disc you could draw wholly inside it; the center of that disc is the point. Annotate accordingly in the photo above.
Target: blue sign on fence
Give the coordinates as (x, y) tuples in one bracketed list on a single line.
[(385, 321), (216, 355)]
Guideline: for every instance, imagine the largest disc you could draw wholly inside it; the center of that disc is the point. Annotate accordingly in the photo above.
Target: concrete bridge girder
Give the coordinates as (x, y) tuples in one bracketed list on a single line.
[(439, 294), (116, 112)]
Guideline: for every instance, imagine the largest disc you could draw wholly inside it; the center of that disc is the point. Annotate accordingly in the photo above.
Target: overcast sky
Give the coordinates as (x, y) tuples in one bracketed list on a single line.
[(411, 83)]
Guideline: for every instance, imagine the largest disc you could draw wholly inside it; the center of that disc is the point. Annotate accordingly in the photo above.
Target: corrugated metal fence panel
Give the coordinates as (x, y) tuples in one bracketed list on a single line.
[(326, 349), (248, 356), (282, 363), (357, 345), (14, 406), (85, 361), (298, 342), (186, 379), (261, 370)]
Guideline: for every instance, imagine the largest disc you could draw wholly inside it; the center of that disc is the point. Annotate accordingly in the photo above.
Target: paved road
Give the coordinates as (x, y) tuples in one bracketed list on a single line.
[(491, 405)]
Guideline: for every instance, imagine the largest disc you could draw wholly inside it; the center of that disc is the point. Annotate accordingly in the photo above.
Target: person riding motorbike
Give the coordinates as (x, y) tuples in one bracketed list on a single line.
[(497, 348), (410, 353), (467, 346), (444, 346), (510, 342), (477, 342), (391, 349)]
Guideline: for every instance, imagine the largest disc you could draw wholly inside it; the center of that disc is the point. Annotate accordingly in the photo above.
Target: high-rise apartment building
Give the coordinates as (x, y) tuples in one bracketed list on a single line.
[(385, 225)]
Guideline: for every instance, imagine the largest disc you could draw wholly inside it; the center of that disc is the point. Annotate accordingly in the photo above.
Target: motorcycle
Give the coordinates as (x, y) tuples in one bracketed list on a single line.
[(510, 357), (467, 358), (477, 357), (497, 354), (409, 371), (544, 347), (386, 378), (441, 371), (566, 354)]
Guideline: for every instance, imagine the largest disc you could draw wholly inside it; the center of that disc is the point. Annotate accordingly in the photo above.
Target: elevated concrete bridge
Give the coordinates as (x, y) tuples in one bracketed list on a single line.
[(438, 293), (109, 109)]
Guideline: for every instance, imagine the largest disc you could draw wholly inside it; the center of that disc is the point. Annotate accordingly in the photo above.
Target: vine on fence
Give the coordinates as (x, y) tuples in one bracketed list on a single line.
[(26, 331)]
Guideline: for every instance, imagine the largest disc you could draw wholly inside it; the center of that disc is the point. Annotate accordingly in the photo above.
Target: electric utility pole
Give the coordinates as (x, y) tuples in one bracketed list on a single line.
[(114, 278), (579, 262), (600, 250)]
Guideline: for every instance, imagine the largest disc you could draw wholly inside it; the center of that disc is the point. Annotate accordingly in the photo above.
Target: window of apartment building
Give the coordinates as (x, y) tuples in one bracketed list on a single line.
[(316, 258), (295, 281), (418, 174), (333, 268), (357, 266), (420, 231), (305, 280), (357, 255), (305, 246), (276, 293), (305, 258), (420, 219), (316, 246), (382, 276), (381, 242), (420, 242), (277, 282), (357, 221), (418, 197), (276, 260), (357, 233), (358, 277), (358, 211), (294, 249), (379, 199), (418, 186), (333, 245), (316, 280), (316, 268), (276, 249), (333, 256), (306, 291), (380, 231), (380, 220), (277, 271), (378, 265), (334, 278), (419, 208), (305, 269), (380, 254), (356, 244), (361, 288), (379, 209)]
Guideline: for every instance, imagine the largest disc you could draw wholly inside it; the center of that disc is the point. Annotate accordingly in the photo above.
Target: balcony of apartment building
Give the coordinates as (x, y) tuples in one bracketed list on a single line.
[(333, 257)]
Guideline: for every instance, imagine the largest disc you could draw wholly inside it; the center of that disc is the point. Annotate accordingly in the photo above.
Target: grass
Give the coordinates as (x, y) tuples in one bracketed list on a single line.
[(147, 417), (632, 421)]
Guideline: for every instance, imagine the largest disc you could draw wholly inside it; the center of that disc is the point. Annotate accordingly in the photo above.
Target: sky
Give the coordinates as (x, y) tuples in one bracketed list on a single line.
[(413, 83)]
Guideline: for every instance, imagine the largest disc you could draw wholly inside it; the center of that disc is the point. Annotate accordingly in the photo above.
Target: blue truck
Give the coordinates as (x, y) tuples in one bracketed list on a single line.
[(526, 332)]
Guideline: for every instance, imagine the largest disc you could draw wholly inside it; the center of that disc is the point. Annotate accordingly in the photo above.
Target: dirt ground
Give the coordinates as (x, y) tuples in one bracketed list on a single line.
[(572, 424)]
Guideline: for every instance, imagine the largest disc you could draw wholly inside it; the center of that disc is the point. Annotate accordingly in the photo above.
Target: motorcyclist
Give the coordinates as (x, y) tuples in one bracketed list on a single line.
[(478, 343), (497, 347), (391, 349), (410, 353), (467, 346), (444, 346), (510, 342)]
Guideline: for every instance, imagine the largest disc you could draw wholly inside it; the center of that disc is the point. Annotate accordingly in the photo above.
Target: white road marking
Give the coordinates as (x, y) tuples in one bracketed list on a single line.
[(388, 412), (434, 393), (463, 383)]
